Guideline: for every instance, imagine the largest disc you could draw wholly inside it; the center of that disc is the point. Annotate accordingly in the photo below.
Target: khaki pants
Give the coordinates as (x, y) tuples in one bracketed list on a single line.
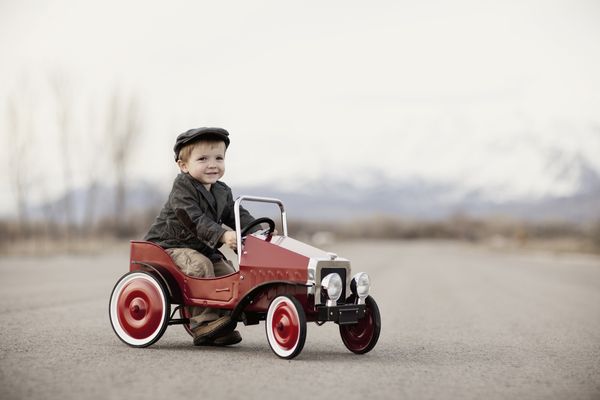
[(197, 265)]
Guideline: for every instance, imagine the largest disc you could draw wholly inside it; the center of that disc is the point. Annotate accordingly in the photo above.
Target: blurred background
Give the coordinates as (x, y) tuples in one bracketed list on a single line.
[(464, 120)]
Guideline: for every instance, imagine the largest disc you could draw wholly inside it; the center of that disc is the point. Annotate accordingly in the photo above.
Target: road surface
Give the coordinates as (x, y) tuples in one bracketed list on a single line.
[(459, 322)]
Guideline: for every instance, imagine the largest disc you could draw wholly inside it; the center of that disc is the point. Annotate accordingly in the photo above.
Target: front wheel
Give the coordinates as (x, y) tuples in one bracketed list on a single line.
[(360, 338), (286, 326), (139, 309)]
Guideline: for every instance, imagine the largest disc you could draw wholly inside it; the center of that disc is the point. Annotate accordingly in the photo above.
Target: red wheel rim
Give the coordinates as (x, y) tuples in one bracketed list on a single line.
[(358, 336), (285, 326), (140, 308)]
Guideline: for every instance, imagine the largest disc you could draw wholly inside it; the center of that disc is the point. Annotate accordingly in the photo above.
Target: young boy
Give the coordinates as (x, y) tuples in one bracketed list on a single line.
[(200, 155)]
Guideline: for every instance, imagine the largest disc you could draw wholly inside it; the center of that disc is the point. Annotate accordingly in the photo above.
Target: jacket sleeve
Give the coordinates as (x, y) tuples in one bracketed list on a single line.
[(229, 215), (246, 218), (185, 196)]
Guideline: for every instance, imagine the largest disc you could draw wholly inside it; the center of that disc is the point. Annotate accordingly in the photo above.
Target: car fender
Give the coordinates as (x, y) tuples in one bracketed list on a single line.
[(257, 291), (166, 279)]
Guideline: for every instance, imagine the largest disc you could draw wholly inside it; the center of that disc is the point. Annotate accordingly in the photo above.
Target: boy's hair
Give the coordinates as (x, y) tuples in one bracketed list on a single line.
[(186, 150)]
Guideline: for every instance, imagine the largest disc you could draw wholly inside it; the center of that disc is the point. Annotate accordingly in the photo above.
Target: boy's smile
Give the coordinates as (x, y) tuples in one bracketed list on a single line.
[(206, 163)]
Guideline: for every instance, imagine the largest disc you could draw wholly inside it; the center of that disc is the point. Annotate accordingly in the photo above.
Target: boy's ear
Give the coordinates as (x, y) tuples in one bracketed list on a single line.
[(182, 166)]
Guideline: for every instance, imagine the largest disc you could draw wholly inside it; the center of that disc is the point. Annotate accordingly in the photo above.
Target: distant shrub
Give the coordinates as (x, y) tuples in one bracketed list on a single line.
[(595, 235), (456, 227)]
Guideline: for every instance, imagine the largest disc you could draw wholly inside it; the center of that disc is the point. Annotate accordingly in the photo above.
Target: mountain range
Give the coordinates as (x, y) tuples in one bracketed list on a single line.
[(332, 198)]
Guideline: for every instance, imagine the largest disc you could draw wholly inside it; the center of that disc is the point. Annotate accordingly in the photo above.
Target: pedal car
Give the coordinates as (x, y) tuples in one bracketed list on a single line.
[(280, 280)]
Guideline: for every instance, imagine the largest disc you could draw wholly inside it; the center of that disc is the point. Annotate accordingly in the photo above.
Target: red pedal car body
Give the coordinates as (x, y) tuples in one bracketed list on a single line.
[(280, 280)]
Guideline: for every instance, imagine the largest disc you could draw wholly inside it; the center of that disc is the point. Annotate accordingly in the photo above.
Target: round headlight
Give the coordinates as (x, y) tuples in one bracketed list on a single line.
[(360, 285), (332, 284)]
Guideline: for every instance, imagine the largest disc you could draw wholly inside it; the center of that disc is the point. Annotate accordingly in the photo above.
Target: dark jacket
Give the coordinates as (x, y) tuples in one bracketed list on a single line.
[(207, 209)]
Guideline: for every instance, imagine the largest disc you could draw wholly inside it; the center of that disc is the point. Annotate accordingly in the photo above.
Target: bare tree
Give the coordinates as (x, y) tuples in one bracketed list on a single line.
[(20, 129), (92, 170), (123, 129), (64, 108)]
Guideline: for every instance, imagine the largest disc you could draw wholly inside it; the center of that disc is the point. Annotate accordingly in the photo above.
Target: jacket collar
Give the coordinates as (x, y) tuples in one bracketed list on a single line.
[(218, 192)]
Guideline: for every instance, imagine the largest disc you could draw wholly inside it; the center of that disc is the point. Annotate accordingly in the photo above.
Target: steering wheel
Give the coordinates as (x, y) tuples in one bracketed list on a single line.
[(259, 221)]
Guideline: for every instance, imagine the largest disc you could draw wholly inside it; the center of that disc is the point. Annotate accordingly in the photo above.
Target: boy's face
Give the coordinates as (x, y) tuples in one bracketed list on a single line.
[(206, 162)]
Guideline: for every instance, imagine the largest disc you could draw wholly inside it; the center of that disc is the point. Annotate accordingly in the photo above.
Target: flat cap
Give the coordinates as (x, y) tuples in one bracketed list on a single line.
[(196, 134)]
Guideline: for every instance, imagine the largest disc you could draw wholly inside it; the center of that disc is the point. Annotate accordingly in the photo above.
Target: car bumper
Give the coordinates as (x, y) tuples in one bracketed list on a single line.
[(343, 314)]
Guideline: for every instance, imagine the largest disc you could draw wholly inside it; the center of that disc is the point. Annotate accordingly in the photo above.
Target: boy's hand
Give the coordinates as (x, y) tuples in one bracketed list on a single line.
[(229, 238)]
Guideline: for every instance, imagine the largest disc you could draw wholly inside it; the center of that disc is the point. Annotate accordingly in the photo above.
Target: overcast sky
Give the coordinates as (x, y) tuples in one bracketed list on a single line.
[(481, 93)]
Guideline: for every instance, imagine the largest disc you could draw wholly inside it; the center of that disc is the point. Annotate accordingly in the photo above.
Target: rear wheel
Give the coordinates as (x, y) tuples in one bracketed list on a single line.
[(360, 338), (139, 309), (185, 314), (286, 326)]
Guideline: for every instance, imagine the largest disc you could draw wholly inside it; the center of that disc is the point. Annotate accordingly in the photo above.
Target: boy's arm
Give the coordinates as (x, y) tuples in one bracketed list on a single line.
[(245, 216), (184, 197)]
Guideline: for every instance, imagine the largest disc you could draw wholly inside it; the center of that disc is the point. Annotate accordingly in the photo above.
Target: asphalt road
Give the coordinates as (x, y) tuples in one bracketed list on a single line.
[(459, 322)]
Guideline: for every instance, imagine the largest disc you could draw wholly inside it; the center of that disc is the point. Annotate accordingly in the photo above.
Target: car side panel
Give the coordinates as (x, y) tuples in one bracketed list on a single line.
[(222, 292), (263, 261)]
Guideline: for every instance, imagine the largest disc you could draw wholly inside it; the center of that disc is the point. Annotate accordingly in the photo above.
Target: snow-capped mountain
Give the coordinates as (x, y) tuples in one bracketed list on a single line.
[(570, 191), (371, 192)]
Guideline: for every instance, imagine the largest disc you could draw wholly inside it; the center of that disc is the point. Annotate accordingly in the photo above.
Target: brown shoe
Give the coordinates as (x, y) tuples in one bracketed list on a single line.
[(212, 329), (227, 339)]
